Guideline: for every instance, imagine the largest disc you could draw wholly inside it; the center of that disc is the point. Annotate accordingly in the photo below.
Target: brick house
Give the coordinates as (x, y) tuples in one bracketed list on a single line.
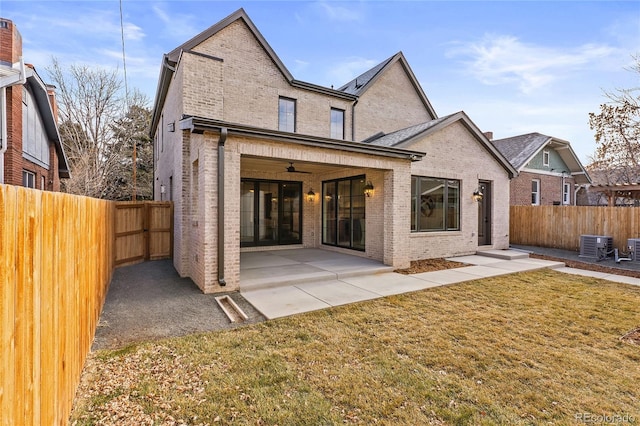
[(254, 159), (549, 172), (31, 152)]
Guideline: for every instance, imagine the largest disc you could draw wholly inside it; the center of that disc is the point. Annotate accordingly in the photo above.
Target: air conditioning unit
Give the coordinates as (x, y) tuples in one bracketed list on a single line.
[(596, 246), (634, 244)]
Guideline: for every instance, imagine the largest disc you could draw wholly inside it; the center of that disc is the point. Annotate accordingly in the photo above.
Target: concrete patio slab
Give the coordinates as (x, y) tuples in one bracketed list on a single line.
[(253, 260), (337, 293), (522, 265), (484, 271), (282, 276), (474, 259), (390, 283), (583, 272), (448, 276), (283, 301)]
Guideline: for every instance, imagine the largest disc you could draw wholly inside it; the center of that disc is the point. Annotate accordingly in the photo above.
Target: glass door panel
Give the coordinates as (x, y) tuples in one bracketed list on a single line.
[(329, 200), (268, 213), (290, 227), (344, 213), (357, 214), (247, 212)]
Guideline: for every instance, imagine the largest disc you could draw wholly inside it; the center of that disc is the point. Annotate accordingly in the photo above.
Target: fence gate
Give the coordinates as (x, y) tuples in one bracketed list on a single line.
[(143, 231)]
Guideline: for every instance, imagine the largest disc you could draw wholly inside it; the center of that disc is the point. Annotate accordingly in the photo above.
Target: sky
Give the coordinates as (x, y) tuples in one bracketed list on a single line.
[(514, 67)]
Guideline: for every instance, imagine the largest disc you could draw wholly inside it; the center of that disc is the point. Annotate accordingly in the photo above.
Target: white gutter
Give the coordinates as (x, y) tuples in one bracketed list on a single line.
[(11, 80)]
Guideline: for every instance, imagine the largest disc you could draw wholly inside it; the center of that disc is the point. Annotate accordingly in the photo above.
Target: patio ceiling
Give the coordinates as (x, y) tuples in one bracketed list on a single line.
[(279, 165)]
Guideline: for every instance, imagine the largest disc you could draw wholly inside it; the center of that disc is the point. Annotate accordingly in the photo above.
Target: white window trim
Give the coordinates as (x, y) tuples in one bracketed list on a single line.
[(545, 157), (566, 194), (537, 193)]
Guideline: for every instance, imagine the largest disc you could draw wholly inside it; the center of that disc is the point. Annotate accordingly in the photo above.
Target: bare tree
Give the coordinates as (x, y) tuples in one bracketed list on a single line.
[(97, 129), (617, 133)]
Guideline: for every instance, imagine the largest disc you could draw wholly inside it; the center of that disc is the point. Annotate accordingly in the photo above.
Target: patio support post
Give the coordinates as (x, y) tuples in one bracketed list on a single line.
[(221, 216)]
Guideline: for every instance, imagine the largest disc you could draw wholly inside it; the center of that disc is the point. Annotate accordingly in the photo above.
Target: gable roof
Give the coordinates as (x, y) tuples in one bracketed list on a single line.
[(404, 137), (171, 59), (520, 150), (41, 95), (361, 83)]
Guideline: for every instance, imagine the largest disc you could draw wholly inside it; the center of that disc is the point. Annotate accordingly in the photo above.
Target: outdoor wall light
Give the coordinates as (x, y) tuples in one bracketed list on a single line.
[(477, 195), (311, 196), (368, 189)]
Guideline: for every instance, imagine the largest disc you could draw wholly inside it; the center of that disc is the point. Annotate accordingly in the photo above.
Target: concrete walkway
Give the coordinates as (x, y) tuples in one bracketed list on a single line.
[(310, 286)]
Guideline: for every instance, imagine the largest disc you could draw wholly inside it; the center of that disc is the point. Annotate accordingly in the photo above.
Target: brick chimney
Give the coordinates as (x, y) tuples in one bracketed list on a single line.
[(51, 92), (489, 135), (10, 43)]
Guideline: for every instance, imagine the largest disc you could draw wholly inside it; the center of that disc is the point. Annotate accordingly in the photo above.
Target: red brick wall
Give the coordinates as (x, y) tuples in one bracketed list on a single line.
[(10, 43), (550, 189), (14, 162)]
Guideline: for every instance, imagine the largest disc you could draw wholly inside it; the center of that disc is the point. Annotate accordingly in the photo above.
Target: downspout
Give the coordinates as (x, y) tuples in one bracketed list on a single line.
[(3, 126), (353, 121), (3, 112), (221, 216)]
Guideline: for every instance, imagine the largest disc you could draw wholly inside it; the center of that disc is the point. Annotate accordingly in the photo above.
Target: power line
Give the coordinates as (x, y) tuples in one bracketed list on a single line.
[(126, 93)]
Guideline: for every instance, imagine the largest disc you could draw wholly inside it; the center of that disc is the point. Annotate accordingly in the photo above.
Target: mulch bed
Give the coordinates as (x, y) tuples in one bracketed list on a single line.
[(428, 265)]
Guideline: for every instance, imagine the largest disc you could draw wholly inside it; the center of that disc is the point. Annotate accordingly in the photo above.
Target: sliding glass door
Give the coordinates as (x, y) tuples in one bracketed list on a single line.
[(270, 213), (343, 213)]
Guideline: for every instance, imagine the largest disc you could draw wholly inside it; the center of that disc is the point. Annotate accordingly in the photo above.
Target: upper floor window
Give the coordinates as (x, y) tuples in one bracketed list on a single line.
[(337, 123), (287, 115), (545, 158), (35, 143), (435, 204), (535, 192)]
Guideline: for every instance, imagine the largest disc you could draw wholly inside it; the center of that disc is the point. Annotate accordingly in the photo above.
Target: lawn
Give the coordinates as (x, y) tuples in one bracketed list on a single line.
[(533, 348)]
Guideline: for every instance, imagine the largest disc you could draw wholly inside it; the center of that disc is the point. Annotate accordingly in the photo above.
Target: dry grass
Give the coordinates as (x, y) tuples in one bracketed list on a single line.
[(533, 348)]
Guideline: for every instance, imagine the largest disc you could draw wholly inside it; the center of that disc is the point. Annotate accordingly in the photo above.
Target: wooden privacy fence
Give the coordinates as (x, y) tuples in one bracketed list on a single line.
[(561, 226), (55, 268), (144, 231)]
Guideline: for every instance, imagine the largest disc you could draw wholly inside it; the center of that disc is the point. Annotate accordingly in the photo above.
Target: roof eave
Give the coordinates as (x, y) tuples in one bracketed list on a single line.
[(41, 96), (466, 121), (200, 125)]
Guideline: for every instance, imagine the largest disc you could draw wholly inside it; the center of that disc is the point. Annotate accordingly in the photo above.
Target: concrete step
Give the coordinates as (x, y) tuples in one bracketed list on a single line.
[(503, 254)]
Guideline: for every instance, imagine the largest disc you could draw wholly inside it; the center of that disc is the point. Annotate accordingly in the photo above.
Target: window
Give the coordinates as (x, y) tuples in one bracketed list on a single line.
[(287, 115), (545, 158), (28, 179), (337, 123), (535, 192), (35, 142), (343, 212), (435, 204), (566, 193)]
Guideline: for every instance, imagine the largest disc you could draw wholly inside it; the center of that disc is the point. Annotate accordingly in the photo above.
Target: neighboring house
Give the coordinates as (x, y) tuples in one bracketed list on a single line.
[(254, 159), (31, 152), (614, 187), (549, 172)]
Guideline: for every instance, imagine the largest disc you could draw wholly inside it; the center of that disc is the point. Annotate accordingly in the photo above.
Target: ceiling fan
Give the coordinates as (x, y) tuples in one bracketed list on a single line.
[(292, 169)]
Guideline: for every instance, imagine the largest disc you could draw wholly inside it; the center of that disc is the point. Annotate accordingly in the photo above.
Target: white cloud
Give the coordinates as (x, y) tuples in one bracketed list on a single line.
[(502, 59), (342, 73), (177, 26), (339, 13)]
